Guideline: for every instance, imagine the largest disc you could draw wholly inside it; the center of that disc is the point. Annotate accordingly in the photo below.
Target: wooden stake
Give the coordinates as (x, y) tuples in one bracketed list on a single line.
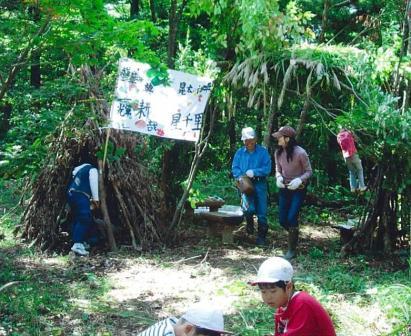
[(105, 148)]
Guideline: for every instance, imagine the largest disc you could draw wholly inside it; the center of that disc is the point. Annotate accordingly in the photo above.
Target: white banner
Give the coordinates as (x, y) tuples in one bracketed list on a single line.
[(174, 111)]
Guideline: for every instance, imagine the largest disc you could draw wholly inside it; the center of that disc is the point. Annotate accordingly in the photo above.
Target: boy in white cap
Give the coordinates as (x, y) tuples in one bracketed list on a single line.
[(253, 161), (298, 313), (201, 319)]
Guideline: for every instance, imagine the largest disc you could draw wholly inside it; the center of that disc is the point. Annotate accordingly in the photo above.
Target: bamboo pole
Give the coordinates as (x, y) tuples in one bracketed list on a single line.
[(200, 147)]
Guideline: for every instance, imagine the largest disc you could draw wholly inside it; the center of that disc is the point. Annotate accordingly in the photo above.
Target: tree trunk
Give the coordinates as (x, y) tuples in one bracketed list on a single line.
[(259, 124), (172, 33), (231, 40), (173, 23), (35, 71), (169, 178), (232, 137), (21, 60), (231, 111), (134, 9), (407, 90), (404, 46), (5, 119), (303, 117), (329, 160), (153, 11), (272, 125), (324, 23)]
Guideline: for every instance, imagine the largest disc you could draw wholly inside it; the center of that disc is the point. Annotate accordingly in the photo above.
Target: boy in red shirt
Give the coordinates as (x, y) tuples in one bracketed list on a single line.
[(298, 313)]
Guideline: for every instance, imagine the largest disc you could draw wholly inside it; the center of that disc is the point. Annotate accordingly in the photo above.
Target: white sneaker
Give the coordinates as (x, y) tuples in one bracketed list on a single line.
[(362, 189), (79, 249)]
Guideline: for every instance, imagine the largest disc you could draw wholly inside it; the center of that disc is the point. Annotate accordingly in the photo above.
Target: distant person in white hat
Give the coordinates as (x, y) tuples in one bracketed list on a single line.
[(201, 319), (297, 313), (253, 161)]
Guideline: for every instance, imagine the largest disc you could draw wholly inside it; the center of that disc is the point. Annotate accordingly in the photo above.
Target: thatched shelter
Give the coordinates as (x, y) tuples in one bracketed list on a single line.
[(132, 206)]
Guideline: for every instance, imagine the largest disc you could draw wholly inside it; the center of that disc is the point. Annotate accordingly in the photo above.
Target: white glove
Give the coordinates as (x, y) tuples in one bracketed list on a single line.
[(294, 184), (249, 173), (280, 182)]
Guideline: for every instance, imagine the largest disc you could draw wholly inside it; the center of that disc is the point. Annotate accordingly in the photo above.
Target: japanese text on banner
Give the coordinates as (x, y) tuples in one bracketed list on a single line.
[(174, 111)]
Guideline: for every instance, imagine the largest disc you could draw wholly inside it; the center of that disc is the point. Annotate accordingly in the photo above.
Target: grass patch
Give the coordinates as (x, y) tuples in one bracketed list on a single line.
[(362, 296), (56, 295)]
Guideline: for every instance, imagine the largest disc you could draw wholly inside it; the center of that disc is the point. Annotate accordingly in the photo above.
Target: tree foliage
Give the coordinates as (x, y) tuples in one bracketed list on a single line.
[(314, 64)]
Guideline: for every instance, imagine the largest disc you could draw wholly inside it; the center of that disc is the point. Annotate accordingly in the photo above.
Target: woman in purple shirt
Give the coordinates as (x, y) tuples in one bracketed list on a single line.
[(292, 171)]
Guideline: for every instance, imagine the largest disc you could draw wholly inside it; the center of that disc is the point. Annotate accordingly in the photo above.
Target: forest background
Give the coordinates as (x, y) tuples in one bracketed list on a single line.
[(315, 65)]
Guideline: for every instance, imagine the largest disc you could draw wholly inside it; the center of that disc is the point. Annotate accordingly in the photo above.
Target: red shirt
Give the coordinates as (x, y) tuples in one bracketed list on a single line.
[(304, 316), (346, 141)]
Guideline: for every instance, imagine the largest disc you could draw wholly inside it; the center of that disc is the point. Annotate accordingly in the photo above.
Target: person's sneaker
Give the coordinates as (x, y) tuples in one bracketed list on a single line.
[(353, 190), (362, 189), (79, 249)]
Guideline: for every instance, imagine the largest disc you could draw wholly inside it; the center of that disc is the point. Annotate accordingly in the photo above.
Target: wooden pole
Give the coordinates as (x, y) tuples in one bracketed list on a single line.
[(200, 147), (105, 148)]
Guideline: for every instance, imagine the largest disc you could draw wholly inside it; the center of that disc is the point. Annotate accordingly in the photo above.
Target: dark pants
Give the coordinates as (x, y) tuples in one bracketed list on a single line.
[(289, 204), (83, 226)]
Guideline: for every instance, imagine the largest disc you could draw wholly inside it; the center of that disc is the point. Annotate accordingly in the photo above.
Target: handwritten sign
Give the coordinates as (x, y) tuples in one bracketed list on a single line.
[(174, 111)]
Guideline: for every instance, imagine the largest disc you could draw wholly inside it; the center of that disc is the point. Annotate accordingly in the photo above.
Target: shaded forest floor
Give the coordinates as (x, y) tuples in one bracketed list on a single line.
[(122, 293)]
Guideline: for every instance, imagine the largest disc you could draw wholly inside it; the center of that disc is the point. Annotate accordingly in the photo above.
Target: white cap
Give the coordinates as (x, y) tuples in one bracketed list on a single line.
[(206, 315), (247, 133), (273, 270)]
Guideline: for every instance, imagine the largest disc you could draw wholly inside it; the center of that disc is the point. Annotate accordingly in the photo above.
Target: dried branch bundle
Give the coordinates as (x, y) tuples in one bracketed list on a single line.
[(132, 204)]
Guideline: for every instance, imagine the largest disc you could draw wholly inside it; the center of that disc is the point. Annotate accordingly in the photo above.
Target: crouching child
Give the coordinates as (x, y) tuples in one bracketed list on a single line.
[(201, 319), (297, 313)]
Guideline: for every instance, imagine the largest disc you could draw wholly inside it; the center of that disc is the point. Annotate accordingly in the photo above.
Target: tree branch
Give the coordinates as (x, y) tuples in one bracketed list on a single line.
[(22, 59)]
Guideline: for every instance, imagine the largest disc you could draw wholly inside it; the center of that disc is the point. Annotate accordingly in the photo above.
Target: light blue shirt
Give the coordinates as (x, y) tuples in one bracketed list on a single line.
[(258, 161)]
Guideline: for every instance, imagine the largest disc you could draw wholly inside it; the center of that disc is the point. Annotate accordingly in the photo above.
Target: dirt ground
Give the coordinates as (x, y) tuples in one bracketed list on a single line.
[(166, 283), (139, 288)]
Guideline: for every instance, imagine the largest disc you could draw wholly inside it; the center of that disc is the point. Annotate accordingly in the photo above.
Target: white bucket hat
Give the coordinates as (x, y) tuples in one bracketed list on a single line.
[(247, 133), (206, 315), (273, 270)]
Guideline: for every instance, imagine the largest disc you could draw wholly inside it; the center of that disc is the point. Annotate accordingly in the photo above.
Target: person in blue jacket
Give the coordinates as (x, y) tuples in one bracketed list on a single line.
[(82, 195), (253, 161)]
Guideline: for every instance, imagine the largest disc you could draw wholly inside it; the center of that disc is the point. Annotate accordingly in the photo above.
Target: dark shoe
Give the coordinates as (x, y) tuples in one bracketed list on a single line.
[(261, 241), (292, 243), (250, 225), (290, 255), (262, 234)]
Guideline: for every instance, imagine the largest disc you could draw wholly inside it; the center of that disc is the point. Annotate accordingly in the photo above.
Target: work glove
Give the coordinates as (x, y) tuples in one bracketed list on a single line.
[(249, 173), (280, 182), (295, 183)]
